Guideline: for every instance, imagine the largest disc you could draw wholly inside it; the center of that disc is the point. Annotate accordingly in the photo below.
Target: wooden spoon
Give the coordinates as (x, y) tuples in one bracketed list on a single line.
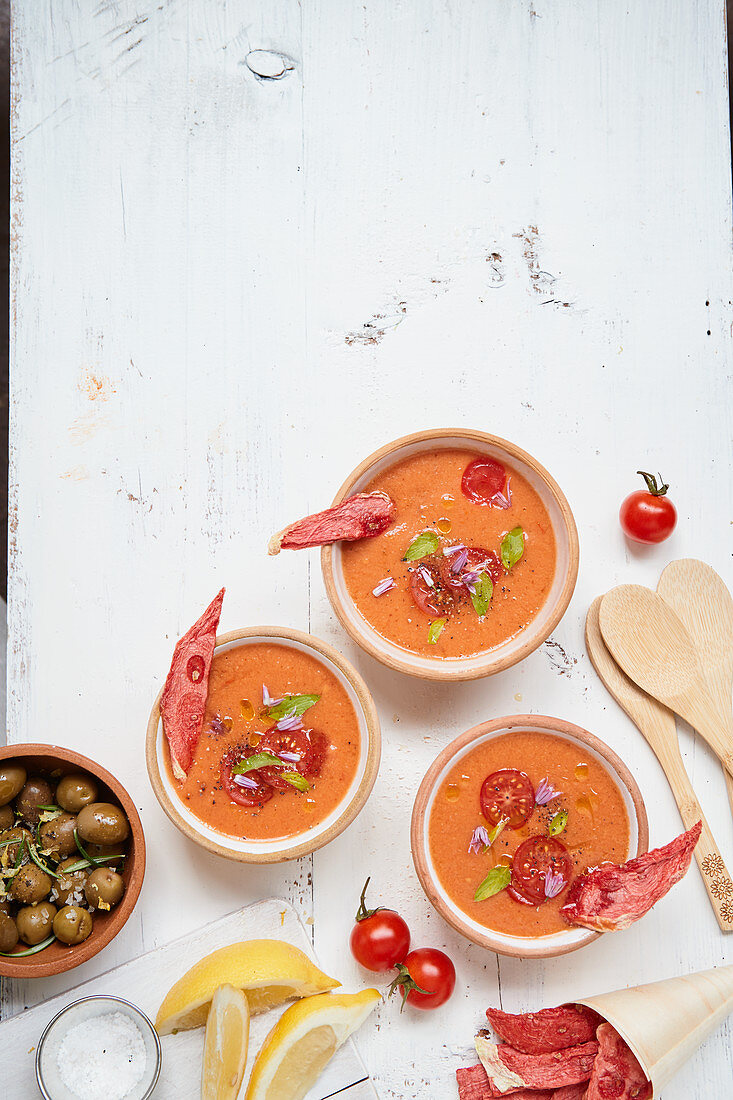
[(657, 725), (654, 648), (699, 596)]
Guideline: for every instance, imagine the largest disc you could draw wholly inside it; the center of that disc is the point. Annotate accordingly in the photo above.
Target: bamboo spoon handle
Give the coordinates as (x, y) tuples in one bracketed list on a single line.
[(714, 727), (714, 873)]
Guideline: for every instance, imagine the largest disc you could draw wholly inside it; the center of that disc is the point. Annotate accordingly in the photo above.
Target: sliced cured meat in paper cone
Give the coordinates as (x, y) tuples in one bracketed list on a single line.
[(474, 1084), (616, 1071), (511, 1069), (665, 1022), (547, 1030), (359, 517)]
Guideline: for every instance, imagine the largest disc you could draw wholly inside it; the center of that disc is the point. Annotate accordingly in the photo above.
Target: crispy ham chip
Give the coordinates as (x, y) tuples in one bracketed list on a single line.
[(511, 1069), (613, 896), (545, 1031), (616, 1072), (359, 517)]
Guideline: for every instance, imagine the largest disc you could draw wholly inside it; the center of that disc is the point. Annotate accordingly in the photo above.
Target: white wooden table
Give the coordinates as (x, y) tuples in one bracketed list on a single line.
[(228, 289)]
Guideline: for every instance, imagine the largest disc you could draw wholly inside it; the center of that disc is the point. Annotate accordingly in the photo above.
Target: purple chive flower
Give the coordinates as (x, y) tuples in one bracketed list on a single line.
[(554, 883), (290, 721), (459, 561), (545, 792), (289, 757), (502, 501), (426, 576), (479, 840), (245, 781), (267, 699), (448, 550), (385, 585), (471, 579)]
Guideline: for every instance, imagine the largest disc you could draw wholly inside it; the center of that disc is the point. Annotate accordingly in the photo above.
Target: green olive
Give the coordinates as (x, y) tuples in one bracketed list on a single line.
[(105, 851), (9, 852), (57, 836), (8, 933), (35, 922), (7, 818), (104, 888), (12, 778), (72, 925), (103, 823), (76, 791), (36, 792), (30, 885), (68, 888)]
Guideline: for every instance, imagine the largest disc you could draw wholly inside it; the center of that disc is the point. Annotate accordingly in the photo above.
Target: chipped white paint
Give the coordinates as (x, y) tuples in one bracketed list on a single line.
[(228, 289)]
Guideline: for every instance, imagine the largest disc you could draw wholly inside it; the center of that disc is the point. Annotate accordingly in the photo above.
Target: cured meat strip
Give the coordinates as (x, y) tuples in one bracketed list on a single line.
[(547, 1030), (613, 896), (474, 1084), (183, 702), (616, 1072), (509, 1069), (570, 1092), (360, 517)]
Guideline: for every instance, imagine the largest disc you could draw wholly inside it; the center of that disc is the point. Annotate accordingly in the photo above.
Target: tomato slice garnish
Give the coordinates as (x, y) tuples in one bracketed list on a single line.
[(483, 479), (309, 746), (507, 794), (431, 600), (475, 556), (532, 860), (243, 796)]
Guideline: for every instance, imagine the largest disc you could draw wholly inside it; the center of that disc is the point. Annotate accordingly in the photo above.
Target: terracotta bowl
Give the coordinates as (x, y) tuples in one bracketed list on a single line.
[(510, 652), (275, 851), (57, 957), (541, 947)]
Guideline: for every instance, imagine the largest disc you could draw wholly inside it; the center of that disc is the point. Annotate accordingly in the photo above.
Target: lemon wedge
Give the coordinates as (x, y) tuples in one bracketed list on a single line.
[(269, 972), (225, 1044), (303, 1041)]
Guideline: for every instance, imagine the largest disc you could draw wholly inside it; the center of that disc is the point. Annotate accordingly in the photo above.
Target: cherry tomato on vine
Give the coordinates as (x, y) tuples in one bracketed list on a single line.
[(648, 515), (380, 939), (426, 979)]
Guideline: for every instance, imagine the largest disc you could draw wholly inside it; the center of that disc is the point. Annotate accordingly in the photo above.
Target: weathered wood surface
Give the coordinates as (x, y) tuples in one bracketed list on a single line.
[(227, 289)]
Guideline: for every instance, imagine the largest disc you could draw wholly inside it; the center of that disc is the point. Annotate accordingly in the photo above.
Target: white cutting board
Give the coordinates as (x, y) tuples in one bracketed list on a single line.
[(147, 979)]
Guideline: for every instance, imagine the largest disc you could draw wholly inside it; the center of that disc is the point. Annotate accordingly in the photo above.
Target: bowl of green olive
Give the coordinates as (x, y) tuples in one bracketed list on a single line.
[(72, 859)]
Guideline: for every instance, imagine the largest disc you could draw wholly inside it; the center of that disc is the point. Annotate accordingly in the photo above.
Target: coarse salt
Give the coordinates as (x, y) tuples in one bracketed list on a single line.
[(102, 1058)]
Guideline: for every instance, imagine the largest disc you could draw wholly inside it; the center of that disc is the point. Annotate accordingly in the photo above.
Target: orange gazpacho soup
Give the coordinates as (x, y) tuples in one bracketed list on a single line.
[(467, 563), (523, 814), (280, 744)]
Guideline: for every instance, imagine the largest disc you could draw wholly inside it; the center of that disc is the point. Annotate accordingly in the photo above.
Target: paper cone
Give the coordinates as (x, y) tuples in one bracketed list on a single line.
[(665, 1022)]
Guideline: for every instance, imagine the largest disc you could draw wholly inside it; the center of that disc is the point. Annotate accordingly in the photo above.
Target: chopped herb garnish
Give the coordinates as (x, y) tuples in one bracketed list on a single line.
[(31, 950), (558, 823), (512, 547), (420, 547), (292, 706), (481, 593), (38, 861), (497, 880), (435, 630), (267, 760)]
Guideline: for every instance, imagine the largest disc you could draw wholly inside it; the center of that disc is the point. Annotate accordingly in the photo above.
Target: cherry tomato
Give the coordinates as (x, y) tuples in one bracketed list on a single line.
[(532, 860), (483, 479), (432, 600), (476, 556), (507, 794), (309, 746), (380, 938), (648, 515), (244, 796), (426, 978)]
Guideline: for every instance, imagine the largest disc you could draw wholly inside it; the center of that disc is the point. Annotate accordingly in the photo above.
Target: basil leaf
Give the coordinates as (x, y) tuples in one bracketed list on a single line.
[(259, 760), (497, 880), (512, 547), (435, 630), (295, 779), (483, 590), (292, 705), (420, 547), (558, 823)]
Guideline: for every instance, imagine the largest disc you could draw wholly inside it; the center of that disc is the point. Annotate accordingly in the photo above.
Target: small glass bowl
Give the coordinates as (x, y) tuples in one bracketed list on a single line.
[(47, 1071)]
